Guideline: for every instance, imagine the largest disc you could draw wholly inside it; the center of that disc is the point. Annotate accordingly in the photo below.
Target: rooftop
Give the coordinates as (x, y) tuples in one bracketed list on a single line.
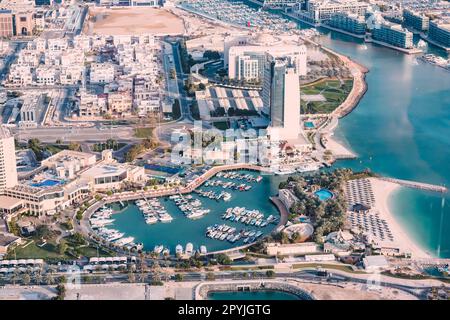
[(9, 203), (4, 132)]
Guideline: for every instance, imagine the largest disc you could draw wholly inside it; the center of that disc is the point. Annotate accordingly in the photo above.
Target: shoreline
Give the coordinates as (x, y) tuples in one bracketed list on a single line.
[(383, 191)]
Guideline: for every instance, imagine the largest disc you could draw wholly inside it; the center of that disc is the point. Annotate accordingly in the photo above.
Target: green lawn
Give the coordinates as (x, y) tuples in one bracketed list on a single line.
[(33, 251), (143, 132), (49, 251), (332, 90), (55, 148), (98, 147), (345, 268)]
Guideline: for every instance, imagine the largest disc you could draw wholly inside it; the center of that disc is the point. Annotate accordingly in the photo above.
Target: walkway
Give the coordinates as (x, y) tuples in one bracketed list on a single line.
[(416, 185)]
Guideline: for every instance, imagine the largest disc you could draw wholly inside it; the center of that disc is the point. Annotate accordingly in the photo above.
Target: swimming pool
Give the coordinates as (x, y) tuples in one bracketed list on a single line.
[(46, 183), (324, 194), (309, 124)]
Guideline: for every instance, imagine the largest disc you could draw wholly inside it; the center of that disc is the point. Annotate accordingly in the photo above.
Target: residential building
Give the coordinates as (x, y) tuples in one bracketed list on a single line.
[(120, 102), (416, 20), (348, 22), (89, 105), (319, 11), (439, 32), (102, 73), (394, 35), (46, 76)]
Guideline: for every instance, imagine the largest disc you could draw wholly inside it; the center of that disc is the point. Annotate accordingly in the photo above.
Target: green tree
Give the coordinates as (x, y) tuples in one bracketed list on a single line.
[(60, 292), (179, 277)]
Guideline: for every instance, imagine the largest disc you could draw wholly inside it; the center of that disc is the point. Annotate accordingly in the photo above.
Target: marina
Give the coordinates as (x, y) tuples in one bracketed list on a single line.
[(239, 13), (436, 60), (194, 213)]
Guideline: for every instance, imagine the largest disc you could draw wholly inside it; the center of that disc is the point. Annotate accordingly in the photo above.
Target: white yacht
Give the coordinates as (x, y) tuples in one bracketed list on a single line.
[(189, 249), (124, 241), (165, 217), (158, 249), (179, 249), (151, 219), (203, 250)]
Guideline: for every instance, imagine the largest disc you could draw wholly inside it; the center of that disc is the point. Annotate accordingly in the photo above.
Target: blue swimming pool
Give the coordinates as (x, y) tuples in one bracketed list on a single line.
[(46, 183), (324, 194), (309, 125)]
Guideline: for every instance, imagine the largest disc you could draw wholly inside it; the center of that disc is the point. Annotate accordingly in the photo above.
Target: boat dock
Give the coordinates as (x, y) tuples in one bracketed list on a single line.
[(416, 185)]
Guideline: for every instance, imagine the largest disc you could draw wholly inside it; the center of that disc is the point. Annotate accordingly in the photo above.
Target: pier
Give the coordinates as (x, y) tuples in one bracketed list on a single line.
[(416, 185)]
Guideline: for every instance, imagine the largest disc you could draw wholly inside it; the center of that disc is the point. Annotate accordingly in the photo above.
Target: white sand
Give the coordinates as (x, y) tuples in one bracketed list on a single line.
[(338, 150), (382, 191)]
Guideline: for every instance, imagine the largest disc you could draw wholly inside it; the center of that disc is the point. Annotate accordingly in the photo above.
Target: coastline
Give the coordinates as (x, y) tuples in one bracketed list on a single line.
[(383, 191), (337, 148)]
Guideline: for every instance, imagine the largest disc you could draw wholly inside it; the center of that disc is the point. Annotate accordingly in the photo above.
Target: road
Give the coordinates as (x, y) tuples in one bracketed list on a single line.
[(186, 121), (85, 134)]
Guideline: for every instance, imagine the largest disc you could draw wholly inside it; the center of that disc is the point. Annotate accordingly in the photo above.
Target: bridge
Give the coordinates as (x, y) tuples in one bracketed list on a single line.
[(417, 185)]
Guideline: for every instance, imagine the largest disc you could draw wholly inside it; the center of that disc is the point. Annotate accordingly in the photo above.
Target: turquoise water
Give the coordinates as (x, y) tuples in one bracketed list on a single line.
[(309, 124), (183, 230), (252, 295), (324, 194), (401, 128)]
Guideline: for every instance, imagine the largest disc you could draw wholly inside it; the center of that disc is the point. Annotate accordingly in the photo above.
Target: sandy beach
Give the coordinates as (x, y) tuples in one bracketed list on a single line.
[(382, 191), (338, 149)]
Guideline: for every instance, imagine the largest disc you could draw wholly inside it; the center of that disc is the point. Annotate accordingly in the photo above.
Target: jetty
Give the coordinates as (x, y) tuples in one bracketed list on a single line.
[(416, 185)]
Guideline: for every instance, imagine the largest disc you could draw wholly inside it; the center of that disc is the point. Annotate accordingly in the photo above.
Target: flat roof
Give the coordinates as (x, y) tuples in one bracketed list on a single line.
[(7, 240), (104, 170), (9, 202)]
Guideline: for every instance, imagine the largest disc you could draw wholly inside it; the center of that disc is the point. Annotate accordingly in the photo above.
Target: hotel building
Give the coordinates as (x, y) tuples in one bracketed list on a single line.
[(394, 35), (415, 20), (349, 22), (281, 96), (8, 170), (247, 62)]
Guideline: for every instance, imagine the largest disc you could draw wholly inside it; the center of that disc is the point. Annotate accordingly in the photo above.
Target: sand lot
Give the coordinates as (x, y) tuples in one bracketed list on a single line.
[(133, 21)]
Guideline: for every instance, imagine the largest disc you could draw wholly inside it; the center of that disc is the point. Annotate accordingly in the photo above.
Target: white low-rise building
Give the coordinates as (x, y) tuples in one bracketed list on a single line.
[(47, 76), (375, 263), (274, 249), (102, 73)]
